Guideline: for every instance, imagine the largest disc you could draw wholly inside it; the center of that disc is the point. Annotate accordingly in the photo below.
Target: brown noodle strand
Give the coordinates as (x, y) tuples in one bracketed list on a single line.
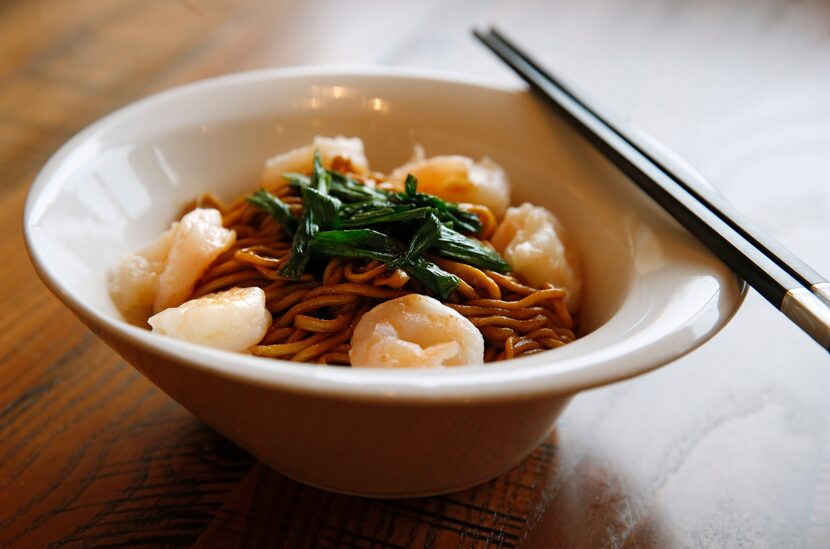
[(466, 291), (334, 271), (472, 276), (497, 333), (256, 255), (550, 343), (521, 314), (541, 295), (510, 283), (281, 288), (286, 302), (334, 357), (238, 279), (397, 279), (370, 272), (296, 336), (285, 349), (224, 267), (314, 303), (317, 349), (270, 274), (258, 240), (522, 346), (314, 316), (490, 354), (522, 326), (544, 333), (363, 290), (562, 312), (279, 335), (313, 351), (311, 324), (488, 220), (509, 344)]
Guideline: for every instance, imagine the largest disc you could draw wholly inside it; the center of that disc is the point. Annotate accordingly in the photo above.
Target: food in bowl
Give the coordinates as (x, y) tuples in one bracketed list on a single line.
[(332, 263), (652, 292)]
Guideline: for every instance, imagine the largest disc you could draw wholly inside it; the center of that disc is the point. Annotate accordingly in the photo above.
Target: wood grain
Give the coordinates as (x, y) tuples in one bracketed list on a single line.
[(727, 447)]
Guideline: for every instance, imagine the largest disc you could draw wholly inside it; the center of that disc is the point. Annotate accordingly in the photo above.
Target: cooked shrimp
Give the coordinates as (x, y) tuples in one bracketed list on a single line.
[(459, 179), (301, 159), (233, 320), (199, 239), (163, 274), (133, 284), (415, 331), (536, 245)]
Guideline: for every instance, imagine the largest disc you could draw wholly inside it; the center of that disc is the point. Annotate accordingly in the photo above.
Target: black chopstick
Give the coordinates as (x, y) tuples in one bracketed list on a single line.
[(748, 252), (784, 258)]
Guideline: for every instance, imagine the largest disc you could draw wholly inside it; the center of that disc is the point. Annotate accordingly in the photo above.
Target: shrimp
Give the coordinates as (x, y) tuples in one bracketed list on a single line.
[(459, 179), (536, 245), (415, 331), (134, 283), (199, 239), (233, 320), (301, 159), (163, 274)]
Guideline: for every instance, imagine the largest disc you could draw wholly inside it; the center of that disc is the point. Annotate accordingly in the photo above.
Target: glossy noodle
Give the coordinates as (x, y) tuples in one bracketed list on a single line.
[(314, 319), (295, 266)]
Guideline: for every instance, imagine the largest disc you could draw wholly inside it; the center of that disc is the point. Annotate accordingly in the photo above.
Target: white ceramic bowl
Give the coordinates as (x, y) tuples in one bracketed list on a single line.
[(652, 292)]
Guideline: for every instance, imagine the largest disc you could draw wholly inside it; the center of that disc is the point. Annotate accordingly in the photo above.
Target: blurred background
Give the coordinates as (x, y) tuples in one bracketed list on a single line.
[(725, 448)]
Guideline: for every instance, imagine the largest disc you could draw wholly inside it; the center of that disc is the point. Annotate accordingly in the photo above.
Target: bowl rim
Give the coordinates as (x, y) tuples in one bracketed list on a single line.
[(488, 382)]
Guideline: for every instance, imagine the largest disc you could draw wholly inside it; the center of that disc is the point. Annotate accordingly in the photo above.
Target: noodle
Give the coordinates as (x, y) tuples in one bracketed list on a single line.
[(313, 319)]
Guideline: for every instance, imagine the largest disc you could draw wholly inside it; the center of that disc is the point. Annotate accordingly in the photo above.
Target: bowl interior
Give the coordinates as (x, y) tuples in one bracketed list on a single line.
[(651, 292)]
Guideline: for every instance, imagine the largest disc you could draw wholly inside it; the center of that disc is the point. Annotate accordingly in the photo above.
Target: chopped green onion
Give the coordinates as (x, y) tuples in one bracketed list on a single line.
[(337, 214), (386, 215), (410, 185), (352, 191), (320, 211), (320, 178), (432, 276), (369, 244), (300, 247), (424, 237), (456, 246), (274, 207), (346, 242), (324, 208), (446, 211), (297, 179)]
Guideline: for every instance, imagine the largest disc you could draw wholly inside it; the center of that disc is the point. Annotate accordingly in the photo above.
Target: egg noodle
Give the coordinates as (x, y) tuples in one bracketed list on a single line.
[(314, 316)]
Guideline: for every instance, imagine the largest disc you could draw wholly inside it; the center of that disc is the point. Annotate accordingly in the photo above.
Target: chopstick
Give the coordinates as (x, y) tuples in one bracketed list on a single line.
[(777, 274), (711, 199)]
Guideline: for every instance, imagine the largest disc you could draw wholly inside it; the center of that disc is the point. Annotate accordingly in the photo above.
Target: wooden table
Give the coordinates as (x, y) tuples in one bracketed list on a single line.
[(727, 447)]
